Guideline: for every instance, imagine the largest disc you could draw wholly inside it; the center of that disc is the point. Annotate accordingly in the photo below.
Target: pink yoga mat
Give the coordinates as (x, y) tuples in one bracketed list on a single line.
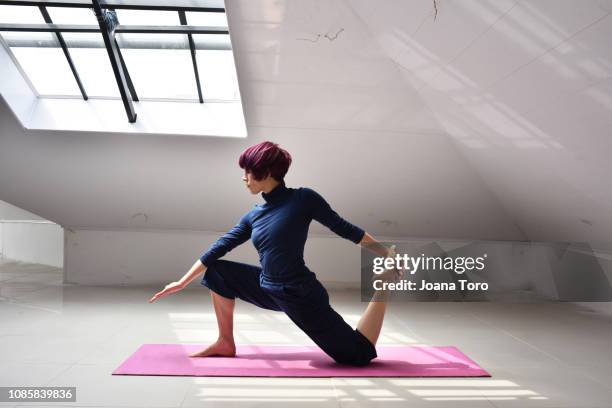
[(298, 361)]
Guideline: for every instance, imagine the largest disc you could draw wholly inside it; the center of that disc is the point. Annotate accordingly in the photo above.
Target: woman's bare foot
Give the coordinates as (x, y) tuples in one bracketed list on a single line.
[(221, 348), (386, 277)]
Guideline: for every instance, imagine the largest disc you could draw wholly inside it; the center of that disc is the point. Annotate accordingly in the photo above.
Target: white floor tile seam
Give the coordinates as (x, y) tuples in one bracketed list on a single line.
[(259, 391), (22, 303), (72, 365), (184, 397), (518, 339), (405, 396), (336, 392), (26, 287), (606, 384), (6, 268), (32, 278), (570, 367)]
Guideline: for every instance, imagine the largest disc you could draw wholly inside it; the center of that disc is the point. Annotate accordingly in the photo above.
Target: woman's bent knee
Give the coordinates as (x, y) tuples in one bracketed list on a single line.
[(359, 357), (214, 280), (222, 296), (358, 361)]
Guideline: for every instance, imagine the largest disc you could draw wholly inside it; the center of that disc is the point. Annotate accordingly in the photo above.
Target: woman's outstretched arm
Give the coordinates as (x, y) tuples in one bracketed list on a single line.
[(197, 268), (321, 211), (231, 239), (368, 242), (180, 284)]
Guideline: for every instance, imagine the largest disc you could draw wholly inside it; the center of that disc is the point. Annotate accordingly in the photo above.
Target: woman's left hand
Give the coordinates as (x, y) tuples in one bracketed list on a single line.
[(170, 288)]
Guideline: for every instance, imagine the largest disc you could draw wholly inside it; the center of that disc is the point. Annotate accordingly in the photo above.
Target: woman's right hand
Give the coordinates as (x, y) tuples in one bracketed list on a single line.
[(170, 288)]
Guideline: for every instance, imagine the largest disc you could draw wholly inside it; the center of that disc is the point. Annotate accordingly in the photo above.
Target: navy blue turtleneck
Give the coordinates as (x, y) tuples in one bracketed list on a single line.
[(279, 228)]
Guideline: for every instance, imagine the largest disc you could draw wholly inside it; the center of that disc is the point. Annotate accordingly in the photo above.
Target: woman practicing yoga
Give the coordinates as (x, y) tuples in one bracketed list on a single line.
[(278, 229)]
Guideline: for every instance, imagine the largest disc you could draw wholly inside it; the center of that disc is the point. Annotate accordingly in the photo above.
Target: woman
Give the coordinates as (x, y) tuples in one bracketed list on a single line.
[(278, 229)]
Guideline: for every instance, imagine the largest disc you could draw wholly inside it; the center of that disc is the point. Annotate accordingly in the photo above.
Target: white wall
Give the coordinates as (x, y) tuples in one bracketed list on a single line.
[(120, 257), (32, 241), (27, 237), (515, 271), (604, 308)]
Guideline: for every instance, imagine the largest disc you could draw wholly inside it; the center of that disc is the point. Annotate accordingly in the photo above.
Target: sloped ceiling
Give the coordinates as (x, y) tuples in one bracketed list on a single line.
[(408, 126), (524, 88)]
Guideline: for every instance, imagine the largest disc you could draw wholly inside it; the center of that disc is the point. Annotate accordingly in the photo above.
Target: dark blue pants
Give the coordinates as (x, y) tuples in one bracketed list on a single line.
[(306, 302)]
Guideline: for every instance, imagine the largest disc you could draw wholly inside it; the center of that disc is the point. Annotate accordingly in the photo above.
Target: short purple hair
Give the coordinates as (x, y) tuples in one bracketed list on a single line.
[(263, 158)]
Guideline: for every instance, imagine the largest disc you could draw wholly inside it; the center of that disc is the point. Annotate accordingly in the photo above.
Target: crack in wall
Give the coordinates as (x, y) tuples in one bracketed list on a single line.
[(146, 217), (330, 37)]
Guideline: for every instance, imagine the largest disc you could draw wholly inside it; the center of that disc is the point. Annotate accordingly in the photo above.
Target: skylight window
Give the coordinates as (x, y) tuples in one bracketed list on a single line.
[(161, 54), (217, 69), (65, 15), (93, 66), (23, 14), (47, 70), (162, 73)]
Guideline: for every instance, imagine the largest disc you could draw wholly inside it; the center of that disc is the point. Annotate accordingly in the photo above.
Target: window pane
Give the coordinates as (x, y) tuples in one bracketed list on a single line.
[(93, 65), (95, 71), (218, 74), (148, 17), (24, 39), (199, 18), (66, 15), (84, 40), (47, 69), (212, 42), (20, 15), (161, 73), (146, 41)]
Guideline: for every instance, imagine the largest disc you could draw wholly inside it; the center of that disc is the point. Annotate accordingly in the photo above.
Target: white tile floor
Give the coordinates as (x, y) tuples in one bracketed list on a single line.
[(539, 355)]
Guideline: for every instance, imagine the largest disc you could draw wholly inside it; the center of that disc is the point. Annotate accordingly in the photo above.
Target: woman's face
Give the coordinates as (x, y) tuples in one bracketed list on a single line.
[(254, 186)]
